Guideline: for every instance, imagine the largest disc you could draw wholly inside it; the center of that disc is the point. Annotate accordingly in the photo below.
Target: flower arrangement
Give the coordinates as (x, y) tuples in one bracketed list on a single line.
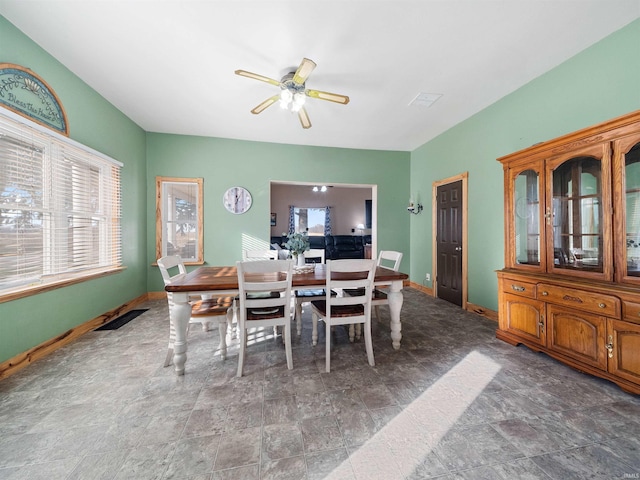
[(297, 243)]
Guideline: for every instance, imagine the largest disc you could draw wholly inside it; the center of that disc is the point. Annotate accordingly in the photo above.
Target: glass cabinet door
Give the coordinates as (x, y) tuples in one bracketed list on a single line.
[(578, 221), (526, 218), (631, 207)]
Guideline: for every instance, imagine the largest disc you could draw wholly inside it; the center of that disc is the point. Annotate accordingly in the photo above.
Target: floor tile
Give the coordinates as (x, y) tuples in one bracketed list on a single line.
[(452, 403)]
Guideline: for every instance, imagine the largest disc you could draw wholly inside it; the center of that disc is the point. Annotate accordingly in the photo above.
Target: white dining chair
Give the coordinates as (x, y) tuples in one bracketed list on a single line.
[(258, 281), (388, 259), (203, 311), (313, 255), (355, 274)]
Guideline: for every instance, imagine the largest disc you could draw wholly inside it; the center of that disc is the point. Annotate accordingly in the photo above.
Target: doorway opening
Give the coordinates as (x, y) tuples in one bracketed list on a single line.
[(353, 208)]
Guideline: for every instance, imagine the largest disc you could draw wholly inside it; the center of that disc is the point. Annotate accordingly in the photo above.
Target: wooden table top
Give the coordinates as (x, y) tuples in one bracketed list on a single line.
[(226, 278)]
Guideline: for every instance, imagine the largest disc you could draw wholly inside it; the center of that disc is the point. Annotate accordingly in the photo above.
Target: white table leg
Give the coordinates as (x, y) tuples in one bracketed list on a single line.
[(180, 313), (395, 305)]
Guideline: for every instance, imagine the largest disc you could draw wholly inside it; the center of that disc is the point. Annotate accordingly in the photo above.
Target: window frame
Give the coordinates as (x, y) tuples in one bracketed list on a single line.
[(161, 212), (58, 151), (296, 213)]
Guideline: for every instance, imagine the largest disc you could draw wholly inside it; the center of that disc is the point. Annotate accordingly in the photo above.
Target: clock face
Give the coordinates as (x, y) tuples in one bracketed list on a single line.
[(237, 200)]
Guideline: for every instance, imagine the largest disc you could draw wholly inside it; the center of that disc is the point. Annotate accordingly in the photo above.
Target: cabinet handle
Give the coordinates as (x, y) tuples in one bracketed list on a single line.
[(518, 288), (610, 346), (541, 324), (602, 305), (548, 216), (544, 294)]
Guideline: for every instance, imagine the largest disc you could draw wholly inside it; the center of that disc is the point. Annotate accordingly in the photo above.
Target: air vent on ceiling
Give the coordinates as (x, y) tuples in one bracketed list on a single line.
[(425, 99)]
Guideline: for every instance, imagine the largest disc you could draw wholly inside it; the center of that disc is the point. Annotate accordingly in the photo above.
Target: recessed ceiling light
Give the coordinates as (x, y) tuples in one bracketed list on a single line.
[(425, 99)]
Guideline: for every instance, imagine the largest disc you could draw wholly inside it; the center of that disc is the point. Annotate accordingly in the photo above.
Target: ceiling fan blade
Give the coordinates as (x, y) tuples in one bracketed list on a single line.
[(332, 97), (304, 70), (267, 103), (255, 76), (304, 118)]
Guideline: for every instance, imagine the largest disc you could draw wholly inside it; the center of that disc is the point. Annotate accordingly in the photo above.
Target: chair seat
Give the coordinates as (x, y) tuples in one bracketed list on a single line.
[(261, 295), (319, 292), (377, 294), (265, 313), (213, 306), (306, 296), (339, 310)]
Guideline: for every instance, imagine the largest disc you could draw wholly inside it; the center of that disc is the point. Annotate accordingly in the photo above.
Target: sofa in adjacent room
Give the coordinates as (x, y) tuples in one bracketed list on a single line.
[(344, 246), (335, 246)]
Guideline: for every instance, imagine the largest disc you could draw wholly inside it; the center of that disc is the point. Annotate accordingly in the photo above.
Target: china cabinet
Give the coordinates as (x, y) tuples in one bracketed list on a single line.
[(571, 282)]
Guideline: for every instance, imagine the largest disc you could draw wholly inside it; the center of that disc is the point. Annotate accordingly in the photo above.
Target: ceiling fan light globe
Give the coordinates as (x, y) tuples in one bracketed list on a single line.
[(299, 98), (286, 96)]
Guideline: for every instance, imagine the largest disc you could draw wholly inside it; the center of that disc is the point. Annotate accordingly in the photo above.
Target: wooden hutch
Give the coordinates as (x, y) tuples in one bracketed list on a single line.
[(571, 282)]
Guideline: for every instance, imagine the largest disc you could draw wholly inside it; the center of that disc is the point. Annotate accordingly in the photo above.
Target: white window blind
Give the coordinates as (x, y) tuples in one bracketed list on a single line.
[(59, 208)]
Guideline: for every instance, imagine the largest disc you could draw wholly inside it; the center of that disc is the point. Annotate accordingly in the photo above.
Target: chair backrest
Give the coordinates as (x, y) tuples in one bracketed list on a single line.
[(254, 255), (354, 274), (171, 267), (390, 259), (257, 282), (313, 254)]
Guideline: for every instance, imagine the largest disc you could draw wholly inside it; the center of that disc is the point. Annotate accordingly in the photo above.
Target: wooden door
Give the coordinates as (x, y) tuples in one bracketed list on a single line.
[(449, 242)]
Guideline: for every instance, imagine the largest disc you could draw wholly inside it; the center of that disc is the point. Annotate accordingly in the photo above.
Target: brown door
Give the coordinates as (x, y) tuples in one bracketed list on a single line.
[(449, 242)]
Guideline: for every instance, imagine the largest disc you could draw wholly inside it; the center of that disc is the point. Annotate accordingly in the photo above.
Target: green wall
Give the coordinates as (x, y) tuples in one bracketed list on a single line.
[(600, 83), (226, 163), (29, 321)]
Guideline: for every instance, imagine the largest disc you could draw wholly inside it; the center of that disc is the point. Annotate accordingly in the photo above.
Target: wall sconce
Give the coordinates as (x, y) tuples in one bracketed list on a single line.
[(414, 208)]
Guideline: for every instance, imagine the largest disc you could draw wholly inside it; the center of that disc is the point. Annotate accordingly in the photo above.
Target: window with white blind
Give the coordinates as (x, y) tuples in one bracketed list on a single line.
[(59, 210)]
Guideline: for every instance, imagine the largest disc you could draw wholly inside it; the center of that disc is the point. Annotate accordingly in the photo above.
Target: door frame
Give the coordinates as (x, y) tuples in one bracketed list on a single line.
[(434, 230)]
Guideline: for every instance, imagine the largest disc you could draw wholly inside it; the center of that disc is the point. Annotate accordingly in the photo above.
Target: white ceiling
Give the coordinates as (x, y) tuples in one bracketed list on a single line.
[(169, 65)]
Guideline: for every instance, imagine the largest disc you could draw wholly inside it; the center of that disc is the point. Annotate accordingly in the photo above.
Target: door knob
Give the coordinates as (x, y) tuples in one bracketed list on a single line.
[(458, 249)]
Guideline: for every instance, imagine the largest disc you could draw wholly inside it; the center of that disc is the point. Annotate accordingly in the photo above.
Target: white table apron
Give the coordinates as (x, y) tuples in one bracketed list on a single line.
[(180, 313)]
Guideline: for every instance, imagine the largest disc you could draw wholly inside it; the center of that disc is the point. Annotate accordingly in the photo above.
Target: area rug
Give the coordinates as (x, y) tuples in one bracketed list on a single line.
[(122, 320)]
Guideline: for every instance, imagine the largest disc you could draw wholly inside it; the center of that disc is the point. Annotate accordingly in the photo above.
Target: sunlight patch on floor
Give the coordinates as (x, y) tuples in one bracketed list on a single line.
[(403, 444)]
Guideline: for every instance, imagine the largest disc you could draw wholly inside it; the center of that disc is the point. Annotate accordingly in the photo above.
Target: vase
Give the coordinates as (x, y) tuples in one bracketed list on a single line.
[(300, 260)]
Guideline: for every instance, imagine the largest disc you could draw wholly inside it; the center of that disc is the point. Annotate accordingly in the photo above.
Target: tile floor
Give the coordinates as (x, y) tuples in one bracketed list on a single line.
[(452, 403)]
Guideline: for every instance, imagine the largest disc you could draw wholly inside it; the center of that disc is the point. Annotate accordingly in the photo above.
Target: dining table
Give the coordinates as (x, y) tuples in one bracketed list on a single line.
[(223, 281)]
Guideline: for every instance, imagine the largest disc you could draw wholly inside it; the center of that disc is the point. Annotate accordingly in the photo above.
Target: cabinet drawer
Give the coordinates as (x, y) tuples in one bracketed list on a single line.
[(516, 287), (599, 303), (631, 311)]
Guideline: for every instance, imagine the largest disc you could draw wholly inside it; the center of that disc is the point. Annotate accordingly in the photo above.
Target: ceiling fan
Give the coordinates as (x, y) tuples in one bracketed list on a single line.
[(293, 91)]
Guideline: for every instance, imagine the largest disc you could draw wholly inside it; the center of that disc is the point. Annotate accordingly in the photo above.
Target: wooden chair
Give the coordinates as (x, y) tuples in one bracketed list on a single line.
[(358, 275), (259, 307), (388, 259), (202, 311), (253, 255)]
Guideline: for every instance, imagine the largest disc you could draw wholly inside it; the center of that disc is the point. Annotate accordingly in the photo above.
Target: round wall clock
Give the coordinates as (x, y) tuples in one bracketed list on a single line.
[(237, 200)]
